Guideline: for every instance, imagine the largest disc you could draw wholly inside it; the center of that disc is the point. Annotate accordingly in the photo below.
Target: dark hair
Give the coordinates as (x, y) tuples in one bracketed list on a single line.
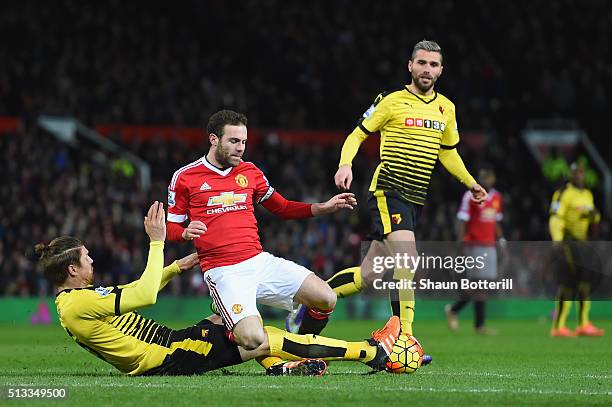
[(57, 256), (223, 117)]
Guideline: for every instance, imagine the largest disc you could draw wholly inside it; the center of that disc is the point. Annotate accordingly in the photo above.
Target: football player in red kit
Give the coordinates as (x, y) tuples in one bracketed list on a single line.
[(217, 195), (479, 229)]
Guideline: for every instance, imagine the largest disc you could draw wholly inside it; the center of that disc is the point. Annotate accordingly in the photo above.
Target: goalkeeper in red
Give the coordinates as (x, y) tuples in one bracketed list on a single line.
[(417, 128)]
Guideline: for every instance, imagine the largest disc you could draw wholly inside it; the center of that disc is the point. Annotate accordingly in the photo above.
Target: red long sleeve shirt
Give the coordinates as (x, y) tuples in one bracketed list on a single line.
[(224, 201)]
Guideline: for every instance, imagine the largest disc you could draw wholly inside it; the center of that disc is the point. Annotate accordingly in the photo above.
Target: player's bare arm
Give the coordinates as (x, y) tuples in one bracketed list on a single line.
[(345, 200)]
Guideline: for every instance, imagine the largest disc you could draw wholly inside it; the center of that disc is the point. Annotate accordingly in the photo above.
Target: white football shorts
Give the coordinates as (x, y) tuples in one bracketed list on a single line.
[(264, 279)]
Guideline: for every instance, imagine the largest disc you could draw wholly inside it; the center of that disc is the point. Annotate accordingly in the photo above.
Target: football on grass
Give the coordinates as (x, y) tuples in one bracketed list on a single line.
[(406, 355)]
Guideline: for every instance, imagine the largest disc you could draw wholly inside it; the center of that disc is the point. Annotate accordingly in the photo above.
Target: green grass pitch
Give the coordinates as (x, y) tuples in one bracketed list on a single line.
[(520, 366)]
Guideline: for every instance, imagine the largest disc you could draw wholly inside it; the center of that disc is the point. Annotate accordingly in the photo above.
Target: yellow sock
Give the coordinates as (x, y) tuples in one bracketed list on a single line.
[(563, 309), (583, 314), (361, 351), (346, 282), (406, 316), (267, 361), (402, 300), (584, 304), (289, 346)]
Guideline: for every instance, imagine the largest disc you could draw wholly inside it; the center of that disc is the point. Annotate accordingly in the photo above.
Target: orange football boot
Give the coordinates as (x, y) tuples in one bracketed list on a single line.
[(562, 333), (387, 336), (589, 330)]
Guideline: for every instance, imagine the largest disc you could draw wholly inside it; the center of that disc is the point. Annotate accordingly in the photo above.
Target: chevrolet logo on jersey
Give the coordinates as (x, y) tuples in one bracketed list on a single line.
[(227, 199)]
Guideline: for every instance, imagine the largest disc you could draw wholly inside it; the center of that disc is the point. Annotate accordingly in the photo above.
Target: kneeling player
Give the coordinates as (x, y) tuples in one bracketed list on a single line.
[(103, 320)]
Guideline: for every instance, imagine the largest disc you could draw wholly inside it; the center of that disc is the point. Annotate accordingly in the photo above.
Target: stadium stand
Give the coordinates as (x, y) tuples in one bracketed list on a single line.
[(117, 62)]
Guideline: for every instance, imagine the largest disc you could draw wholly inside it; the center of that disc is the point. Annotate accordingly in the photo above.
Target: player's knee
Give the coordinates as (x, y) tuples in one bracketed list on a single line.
[(332, 299), (251, 340), (368, 276), (327, 300)]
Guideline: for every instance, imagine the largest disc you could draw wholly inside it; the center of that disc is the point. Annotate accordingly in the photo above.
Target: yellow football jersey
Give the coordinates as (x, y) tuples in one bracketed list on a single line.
[(413, 130), (133, 344), (571, 213)]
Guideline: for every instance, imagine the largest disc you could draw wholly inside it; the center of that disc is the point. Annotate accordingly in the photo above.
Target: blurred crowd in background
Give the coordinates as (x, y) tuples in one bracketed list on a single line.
[(286, 65), (54, 189), (292, 65)]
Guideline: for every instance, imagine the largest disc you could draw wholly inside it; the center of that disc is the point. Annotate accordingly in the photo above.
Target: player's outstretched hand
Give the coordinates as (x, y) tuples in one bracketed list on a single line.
[(194, 230), (479, 194), (344, 177), (345, 200), (155, 222), (188, 262)]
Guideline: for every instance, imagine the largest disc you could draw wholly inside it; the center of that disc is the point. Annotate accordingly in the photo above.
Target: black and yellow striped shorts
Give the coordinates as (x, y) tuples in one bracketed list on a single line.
[(391, 212)]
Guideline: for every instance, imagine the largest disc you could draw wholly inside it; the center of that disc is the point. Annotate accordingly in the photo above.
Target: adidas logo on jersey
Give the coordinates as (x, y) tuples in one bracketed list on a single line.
[(205, 187)]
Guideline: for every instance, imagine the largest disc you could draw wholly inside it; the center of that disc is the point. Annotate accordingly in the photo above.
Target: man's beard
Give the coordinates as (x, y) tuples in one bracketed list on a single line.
[(223, 158), (420, 86), (90, 279)]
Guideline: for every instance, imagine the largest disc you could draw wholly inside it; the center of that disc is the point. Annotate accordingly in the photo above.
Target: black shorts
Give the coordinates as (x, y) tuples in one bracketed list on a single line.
[(577, 263), (184, 361), (391, 212)]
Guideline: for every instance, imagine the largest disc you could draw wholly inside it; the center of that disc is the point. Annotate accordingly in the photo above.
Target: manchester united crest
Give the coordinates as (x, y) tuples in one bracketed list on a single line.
[(241, 180), (237, 308)]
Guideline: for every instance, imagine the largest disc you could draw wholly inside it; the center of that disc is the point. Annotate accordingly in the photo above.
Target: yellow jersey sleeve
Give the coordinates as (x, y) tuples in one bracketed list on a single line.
[(376, 116), (451, 160), (594, 216), (556, 224), (144, 292), (450, 136), (370, 122), (351, 146), (448, 154), (167, 274), (96, 303)]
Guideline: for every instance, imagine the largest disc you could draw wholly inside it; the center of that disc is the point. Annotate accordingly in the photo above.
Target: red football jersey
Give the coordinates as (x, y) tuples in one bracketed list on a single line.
[(481, 219), (224, 201)]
